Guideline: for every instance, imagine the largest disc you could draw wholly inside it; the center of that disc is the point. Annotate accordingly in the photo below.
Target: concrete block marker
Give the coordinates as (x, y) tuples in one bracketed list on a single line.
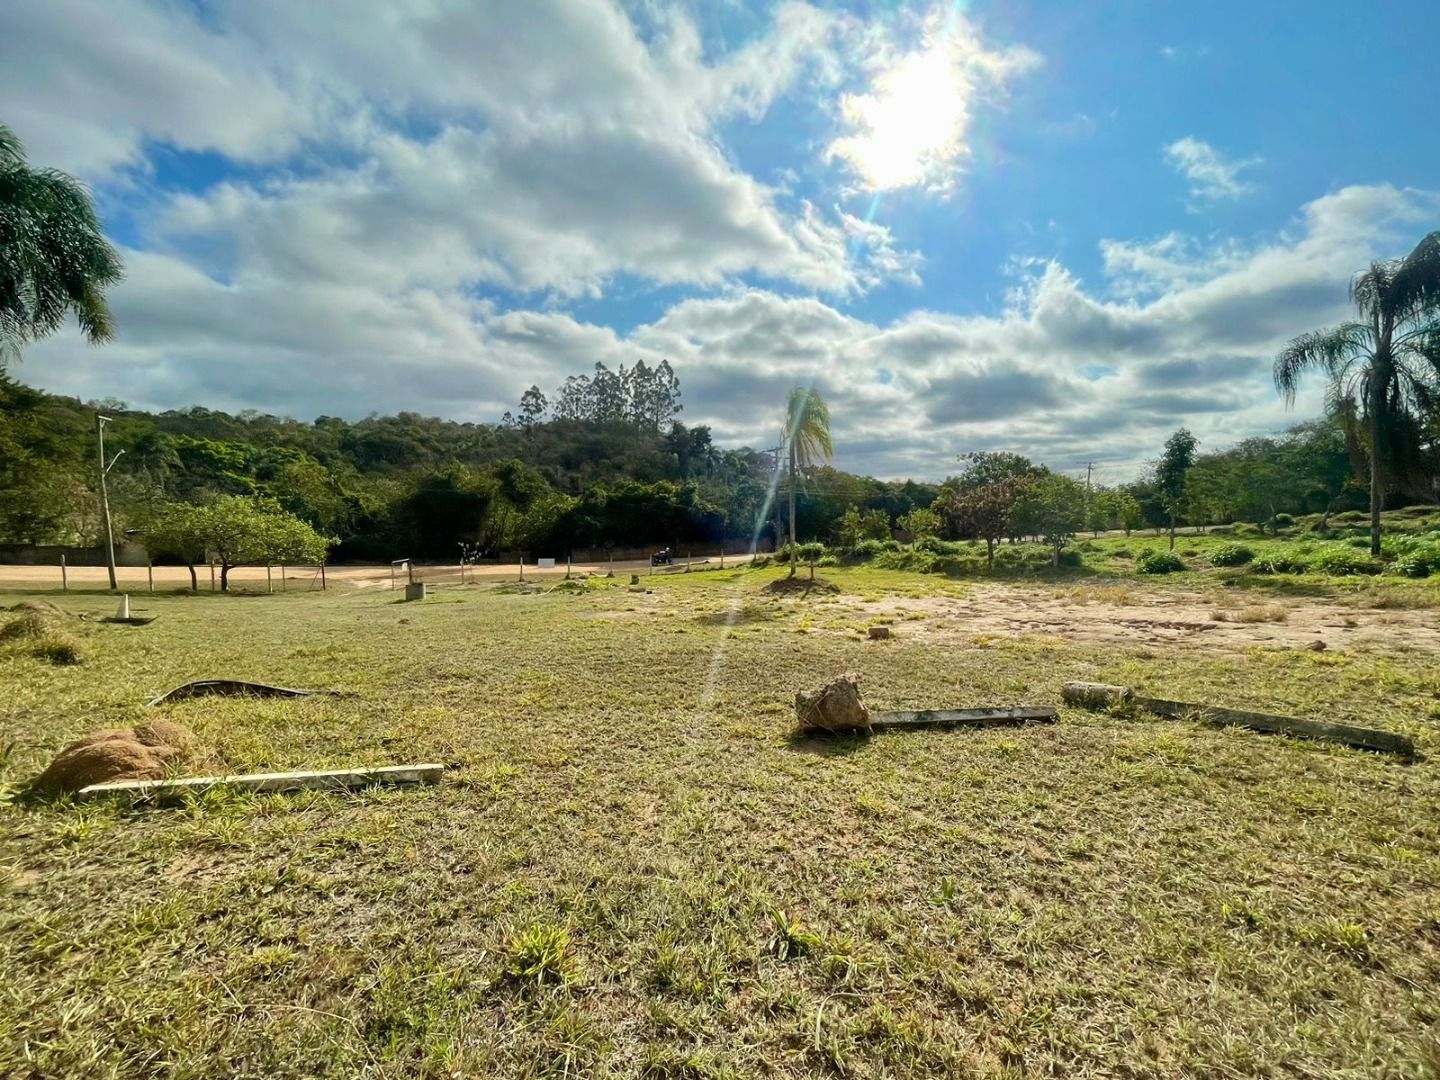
[(326, 780), (416, 591)]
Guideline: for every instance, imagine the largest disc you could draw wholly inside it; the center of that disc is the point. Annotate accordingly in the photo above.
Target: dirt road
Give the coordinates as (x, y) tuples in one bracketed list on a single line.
[(251, 578)]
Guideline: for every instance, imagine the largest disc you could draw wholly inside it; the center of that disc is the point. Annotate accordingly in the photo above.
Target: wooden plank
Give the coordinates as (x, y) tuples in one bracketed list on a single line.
[(1362, 738), (1016, 717), (325, 780), (1103, 695)]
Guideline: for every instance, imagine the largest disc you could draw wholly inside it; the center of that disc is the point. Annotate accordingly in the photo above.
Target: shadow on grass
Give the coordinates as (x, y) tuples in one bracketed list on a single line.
[(827, 743), (745, 615)]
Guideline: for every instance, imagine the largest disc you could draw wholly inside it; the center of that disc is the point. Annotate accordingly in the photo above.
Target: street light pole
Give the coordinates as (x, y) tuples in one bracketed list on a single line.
[(100, 422)]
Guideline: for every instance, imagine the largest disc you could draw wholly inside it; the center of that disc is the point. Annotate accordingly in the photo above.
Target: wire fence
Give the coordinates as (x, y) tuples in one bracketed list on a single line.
[(202, 577)]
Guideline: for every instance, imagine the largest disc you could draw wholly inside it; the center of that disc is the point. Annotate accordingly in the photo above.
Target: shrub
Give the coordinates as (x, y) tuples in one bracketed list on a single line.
[(922, 562), (1231, 555), (827, 560), (1016, 557), (1159, 562), (1411, 564), (1281, 564), (1342, 561), (1417, 558), (959, 565), (936, 546), (1221, 530), (1246, 529), (1121, 553), (868, 549), (1282, 521), (1071, 557)]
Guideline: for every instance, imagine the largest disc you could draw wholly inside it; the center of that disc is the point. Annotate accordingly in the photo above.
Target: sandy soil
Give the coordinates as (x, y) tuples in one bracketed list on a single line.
[(1131, 616)]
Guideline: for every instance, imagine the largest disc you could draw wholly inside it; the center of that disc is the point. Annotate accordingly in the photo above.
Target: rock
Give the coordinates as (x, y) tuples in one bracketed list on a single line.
[(880, 633), (146, 752), (836, 706), (1316, 646)]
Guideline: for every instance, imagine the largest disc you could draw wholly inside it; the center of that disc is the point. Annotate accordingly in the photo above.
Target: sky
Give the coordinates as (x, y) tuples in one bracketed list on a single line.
[(1064, 229)]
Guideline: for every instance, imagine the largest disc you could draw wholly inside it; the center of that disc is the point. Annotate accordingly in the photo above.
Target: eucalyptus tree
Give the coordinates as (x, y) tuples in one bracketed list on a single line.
[(1382, 367)]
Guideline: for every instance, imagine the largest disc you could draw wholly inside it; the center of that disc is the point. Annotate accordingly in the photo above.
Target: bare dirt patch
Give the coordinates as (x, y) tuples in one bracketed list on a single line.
[(1132, 616)]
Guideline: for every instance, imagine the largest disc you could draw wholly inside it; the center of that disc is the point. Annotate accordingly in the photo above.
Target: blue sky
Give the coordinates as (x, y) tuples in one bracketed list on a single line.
[(1054, 227)]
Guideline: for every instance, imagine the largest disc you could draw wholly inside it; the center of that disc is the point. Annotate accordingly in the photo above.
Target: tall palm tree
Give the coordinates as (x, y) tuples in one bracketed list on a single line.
[(54, 258), (1382, 366), (807, 435)]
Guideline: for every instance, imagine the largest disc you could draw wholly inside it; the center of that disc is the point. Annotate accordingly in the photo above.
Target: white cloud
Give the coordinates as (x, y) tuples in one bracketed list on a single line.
[(86, 84), (1062, 372), (536, 145), (1210, 175)]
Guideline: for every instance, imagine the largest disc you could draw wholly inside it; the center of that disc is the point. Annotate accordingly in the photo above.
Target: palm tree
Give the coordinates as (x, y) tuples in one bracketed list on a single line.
[(807, 434), (54, 258), (1380, 366)]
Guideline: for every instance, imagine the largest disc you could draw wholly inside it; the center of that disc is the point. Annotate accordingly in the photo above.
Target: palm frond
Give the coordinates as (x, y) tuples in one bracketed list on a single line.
[(1415, 284), (54, 258), (12, 152), (1331, 351), (808, 424)]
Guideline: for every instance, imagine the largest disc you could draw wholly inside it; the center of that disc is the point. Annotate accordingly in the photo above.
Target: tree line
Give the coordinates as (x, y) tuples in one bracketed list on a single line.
[(606, 462)]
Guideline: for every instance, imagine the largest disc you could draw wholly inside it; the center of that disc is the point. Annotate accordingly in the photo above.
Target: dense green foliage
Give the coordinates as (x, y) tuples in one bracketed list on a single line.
[(412, 486), (54, 258), (1381, 368), (617, 470)]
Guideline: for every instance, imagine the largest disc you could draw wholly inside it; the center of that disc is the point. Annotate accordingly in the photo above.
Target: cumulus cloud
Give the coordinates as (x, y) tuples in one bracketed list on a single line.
[(1212, 178), (1063, 372), (414, 196), (542, 145)]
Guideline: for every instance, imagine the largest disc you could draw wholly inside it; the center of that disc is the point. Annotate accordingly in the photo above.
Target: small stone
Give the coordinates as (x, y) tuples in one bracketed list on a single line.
[(1316, 646), (880, 633)]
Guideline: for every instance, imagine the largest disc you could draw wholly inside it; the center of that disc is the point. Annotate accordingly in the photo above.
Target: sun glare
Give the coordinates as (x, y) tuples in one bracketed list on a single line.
[(912, 122)]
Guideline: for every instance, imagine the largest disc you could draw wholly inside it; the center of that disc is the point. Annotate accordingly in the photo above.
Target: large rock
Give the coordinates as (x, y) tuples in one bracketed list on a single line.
[(150, 751), (836, 706)]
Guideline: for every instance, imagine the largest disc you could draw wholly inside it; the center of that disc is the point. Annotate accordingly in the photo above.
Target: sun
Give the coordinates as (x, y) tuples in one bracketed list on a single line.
[(911, 125)]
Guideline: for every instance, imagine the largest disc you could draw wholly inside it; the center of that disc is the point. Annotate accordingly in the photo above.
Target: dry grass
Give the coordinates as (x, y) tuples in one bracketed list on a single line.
[(630, 870), (1254, 613)]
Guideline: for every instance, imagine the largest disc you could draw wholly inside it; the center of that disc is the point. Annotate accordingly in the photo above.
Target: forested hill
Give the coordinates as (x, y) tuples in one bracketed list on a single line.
[(609, 464), (604, 473)]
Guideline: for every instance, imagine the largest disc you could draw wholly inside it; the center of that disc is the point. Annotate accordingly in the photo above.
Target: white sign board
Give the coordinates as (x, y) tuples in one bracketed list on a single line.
[(545, 564)]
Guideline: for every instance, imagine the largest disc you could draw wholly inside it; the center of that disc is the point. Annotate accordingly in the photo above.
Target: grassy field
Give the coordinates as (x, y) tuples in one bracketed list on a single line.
[(633, 869)]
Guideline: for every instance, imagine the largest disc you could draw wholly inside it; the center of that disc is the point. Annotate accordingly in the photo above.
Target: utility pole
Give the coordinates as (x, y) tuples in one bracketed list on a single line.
[(100, 422)]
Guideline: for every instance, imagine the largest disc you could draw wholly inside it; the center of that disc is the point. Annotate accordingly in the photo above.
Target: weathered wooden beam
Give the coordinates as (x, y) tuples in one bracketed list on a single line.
[(1099, 695), (326, 780), (1362, 738), (234, 688), (1016, 717)]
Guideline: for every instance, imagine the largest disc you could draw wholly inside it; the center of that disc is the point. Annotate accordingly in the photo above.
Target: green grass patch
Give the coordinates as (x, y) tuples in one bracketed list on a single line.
[(631, 869)]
